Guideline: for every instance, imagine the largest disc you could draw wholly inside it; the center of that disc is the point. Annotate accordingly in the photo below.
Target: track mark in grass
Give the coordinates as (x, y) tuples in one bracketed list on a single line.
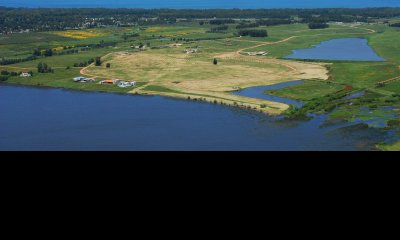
[(157, 88)]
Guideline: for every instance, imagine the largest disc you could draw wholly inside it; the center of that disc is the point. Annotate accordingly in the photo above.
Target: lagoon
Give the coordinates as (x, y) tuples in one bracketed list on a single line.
[(56, 119), (349, 49), (259, 92)]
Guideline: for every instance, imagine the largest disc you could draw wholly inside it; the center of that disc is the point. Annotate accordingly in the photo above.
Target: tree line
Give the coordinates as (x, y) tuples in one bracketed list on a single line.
[(253, 32), (4, 74), (42, 19), (219, 28), (48, 52), (317, 25)]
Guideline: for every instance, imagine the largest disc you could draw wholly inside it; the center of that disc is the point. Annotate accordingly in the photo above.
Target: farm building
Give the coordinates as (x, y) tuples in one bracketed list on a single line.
[(25, 74), (257, 53), (78, 79), (176, 44), (107, 82), (124, 84), (141, 48), (191, 50)]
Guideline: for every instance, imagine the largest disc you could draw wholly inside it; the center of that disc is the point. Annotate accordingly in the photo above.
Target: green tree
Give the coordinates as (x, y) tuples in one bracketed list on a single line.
[(98, 61), (37, 52), (215, 61), (4, 72), (108, 65), (40, 67), (48, 52)]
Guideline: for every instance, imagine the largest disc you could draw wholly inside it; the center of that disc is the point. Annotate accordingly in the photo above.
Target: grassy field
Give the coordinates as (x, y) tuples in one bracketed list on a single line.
[(23, 44), (62, 78), (390, 147), (315, 89)]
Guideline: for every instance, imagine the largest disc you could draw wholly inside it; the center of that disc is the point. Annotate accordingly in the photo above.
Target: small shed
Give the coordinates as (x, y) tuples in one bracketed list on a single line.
[(25, 74)]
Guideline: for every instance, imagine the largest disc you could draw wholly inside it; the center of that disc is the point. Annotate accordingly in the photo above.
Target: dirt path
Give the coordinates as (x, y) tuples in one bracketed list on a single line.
[(83, 70), (265, 43), (228, 55), (388, 81), (370, 31)]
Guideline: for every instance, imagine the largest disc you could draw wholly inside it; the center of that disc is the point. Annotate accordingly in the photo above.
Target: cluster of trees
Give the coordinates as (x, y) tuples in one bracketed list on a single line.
[(85, 63), (264, 22), (37, 53), (221, 21), (219, 28), (44, 68), (7, 73), (98, 61), (247, 25), (126, 36), (317, 25), (253, 33), (4, 74), (47, 52), (69, 51), (42, 19), (274, 21), (395, 25), (8, 61)]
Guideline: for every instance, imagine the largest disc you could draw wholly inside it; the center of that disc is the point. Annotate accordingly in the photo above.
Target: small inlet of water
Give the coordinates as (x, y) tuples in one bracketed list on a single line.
[(259, 92)]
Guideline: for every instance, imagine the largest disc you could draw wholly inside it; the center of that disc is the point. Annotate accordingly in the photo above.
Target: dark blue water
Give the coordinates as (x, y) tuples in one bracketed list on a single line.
[(354, 49), (258, 92), (55, 119), (202, 3), (355, 95)]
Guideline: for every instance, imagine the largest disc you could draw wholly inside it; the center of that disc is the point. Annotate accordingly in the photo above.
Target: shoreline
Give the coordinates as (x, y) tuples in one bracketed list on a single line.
[(271, 108), (240, 100)]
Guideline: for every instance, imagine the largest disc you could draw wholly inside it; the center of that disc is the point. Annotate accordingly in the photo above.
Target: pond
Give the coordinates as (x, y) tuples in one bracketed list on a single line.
[(259, 92), (349, 49), (57, 119)]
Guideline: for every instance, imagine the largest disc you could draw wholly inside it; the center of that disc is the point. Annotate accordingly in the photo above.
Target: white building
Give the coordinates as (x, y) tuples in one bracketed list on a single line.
[(25, 74)]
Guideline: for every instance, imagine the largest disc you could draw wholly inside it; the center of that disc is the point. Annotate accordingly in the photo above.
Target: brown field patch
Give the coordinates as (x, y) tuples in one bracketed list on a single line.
[(200, 76)]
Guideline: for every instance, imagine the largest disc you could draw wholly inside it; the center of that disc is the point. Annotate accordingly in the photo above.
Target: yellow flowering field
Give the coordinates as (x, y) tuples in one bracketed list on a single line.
[(76, 34)]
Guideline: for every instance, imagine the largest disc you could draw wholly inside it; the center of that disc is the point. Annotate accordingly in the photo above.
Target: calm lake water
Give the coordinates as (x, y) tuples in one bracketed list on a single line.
[(258, 92), (355, 49), (202, 3), (56, 119)]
